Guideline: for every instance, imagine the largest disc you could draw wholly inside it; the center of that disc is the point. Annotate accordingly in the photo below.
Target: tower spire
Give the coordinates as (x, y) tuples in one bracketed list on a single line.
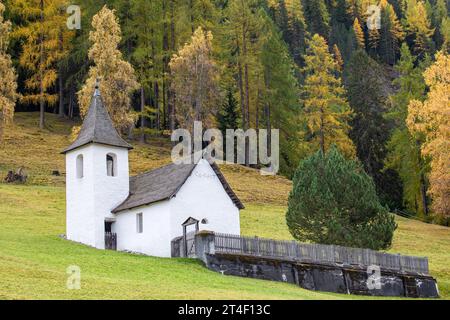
[(97, 126)]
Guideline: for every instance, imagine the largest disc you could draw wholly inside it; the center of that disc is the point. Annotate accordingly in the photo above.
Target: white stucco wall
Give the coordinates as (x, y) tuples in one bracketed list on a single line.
[(203, 196), (79, 197), (89, 200), (155, 238)]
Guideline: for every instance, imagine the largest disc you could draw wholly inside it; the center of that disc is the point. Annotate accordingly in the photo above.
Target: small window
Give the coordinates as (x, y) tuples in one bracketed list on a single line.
[(139, 223), (79, 166), (111, 165)]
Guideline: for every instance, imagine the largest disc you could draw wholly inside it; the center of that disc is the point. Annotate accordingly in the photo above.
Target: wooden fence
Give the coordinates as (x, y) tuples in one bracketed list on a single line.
[(292, 250)]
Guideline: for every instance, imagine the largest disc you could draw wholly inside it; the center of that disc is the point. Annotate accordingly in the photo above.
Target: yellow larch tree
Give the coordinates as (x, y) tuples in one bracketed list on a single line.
[(117, 76), (359, 34), (338, 58), (195, 80), (45, 41), (326, 110), (432, 119), (8, 77)]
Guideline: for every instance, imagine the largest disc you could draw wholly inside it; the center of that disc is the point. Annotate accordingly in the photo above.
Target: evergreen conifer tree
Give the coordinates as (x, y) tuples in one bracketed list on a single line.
[(333, 201)]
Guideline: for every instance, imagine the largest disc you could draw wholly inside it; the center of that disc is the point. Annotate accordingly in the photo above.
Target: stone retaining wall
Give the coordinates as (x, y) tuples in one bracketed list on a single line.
[(346, 279)]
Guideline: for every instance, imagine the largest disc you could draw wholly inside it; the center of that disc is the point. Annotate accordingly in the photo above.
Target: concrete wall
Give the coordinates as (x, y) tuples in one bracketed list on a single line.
[(90, 199)]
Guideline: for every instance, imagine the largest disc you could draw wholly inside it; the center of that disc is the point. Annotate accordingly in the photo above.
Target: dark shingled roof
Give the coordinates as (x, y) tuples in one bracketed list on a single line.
[(163, 183), (98, 128)]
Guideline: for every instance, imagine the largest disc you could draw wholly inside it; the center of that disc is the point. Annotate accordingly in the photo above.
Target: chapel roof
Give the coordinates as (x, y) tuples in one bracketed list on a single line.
[(164, 183), (98, 127)]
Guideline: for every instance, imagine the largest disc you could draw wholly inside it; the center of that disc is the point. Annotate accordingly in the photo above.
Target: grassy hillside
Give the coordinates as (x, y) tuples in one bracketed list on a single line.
[(33, 259)]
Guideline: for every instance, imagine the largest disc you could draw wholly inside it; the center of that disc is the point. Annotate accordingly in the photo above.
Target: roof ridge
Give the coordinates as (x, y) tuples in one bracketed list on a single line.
[(162, 167)]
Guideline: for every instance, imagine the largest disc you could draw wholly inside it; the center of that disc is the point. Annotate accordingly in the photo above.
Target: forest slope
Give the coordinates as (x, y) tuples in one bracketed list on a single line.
[(38, 151)]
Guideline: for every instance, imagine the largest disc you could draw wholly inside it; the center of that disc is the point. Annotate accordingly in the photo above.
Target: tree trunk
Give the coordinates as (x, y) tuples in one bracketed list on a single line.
[(257, 110), (191, 14), (131, 128), (155, 84), (247, 97), (172, 25), (423, 187), (61, 95), (268, 120), (60, 79), (423, 194), (41, 70), (321, 133), (142, 115), (2, 123), (165, 65), (157, 107), (70, 111), (172, 111), (241, 95), (170, 94)]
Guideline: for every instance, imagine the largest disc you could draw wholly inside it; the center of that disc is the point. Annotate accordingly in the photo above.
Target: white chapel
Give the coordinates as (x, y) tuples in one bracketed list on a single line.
[(106, 208)]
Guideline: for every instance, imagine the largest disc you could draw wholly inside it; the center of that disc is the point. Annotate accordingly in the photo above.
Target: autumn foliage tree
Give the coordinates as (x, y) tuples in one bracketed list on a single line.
[(326, 110), (117, 78), (8, 84), (432, 119), (44, 42), (418, 26), (391, 34), (404, 147), (338, 58), (359, 34), (195, 80)]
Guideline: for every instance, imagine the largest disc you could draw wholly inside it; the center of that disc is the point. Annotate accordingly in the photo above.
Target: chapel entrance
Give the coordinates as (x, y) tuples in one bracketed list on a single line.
[(110, 237), (190, 228)]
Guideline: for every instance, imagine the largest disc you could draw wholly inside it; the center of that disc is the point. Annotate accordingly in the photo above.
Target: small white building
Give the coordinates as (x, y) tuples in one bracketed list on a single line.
[(146, 212)]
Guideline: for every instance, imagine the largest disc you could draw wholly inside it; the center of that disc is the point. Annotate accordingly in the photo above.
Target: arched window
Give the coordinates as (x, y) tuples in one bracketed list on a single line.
[(111, 165), (80, 166)]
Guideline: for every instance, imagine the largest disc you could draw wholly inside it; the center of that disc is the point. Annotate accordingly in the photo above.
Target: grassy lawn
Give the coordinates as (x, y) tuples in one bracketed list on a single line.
[(33, 262), (33, 259)]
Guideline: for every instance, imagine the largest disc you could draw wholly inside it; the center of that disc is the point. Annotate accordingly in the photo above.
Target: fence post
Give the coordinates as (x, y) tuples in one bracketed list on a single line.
[(256, 245), (297, 253), (204, 244)]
